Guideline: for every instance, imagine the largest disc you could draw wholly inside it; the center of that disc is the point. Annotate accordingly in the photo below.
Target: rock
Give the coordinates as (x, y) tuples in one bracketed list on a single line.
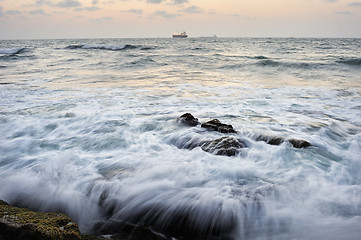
[(297, 143), (188, 119), (23, 224), (216, 125), (271, 139), (155, 221), (228, 146)]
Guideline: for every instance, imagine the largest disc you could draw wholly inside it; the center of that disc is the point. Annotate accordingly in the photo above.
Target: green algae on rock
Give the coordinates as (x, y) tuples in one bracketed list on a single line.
[(21, 223)]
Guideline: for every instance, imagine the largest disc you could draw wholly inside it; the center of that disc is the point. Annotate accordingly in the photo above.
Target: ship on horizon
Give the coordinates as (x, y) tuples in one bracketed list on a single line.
[(180, 35)]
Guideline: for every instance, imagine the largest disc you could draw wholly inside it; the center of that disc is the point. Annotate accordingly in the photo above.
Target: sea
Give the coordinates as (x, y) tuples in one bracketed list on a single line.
[(91, 128)]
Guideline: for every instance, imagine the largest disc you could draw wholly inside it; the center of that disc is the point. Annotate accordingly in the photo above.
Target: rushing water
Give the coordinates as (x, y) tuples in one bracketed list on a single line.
[(89, 128)]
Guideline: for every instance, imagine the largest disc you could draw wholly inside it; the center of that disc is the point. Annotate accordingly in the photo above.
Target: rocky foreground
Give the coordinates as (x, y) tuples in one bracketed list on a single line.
[(23, 224)]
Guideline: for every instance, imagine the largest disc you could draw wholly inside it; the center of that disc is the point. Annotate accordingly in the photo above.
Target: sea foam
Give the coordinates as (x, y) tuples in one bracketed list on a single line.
[(11, 51)]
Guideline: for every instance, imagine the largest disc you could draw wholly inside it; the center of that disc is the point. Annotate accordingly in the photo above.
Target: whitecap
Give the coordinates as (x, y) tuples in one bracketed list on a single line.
[(11, 51)]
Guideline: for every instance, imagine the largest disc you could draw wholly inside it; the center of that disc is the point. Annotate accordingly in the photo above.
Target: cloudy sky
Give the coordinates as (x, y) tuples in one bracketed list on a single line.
[(37, 19)]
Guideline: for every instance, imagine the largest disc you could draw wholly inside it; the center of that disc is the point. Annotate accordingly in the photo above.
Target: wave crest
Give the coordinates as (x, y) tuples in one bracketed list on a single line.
[(350, 61), (11, 51), (102, 47)]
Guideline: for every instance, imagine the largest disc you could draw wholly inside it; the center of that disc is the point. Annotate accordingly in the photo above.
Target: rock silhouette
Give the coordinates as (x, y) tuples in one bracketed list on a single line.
[(188, 119), (216, 125)]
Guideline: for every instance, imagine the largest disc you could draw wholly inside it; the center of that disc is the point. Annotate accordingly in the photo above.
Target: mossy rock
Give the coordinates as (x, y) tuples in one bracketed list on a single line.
[(21, 223)]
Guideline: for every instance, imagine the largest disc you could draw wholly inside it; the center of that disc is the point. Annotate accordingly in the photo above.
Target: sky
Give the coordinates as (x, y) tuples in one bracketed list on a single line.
[(54, 19)]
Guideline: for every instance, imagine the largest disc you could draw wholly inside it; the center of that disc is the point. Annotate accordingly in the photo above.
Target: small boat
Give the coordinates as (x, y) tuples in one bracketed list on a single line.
[(180, 35)]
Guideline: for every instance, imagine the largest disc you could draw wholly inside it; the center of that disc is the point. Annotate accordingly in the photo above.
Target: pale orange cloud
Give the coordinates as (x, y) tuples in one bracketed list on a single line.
[(159, 18)]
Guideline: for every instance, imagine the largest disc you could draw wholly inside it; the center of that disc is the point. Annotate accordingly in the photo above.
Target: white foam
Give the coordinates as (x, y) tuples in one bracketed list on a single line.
[(11, 51), (101, 142)]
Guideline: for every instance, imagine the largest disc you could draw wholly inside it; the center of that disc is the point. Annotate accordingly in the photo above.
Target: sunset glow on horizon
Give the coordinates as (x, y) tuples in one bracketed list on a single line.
[(26, 19)]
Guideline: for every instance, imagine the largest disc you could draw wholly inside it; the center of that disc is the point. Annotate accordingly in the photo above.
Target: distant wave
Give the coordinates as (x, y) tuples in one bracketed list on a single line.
[(102, 47), (350, 61), (258, 57), (147, 48), (266, 62), (296, 65), (269, 62), (11, 51)]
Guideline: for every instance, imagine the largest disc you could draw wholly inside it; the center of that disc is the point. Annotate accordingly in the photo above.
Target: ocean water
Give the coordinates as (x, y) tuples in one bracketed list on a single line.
[(89, 127)]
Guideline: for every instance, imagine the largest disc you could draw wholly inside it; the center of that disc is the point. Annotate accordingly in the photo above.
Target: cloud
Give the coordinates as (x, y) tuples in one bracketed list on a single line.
[(103, 19), (9, 12), (95, 2), (37, 12), (68, 4), (193, 9), (344, 13), (180, 1), (174, 2), (89, 9), (330, 1), (12, 12), (135, 11), (41, 3), (165, 14), (355, 4), (155, 1)]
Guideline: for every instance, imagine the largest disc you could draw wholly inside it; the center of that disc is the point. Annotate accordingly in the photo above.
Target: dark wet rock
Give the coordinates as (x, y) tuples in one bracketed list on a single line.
[(228, 146), (271, 139), (216, 125), (69, 115), (125, 231), (297, 143), (188, 119), (164, 222)]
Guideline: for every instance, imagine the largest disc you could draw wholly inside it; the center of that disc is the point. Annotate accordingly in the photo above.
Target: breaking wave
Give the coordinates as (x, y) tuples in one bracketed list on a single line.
[(266, 62), (258, 57), (297, 65), (11, 51), (102, 47), (350, 61)]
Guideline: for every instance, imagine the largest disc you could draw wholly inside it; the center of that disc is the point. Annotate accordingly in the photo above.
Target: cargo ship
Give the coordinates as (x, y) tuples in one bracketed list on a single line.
[(180, 35)]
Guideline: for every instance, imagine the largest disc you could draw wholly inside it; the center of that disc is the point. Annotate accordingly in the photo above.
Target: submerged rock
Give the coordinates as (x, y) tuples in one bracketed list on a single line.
[(175, 222), (297, 143), (188, 119), (271, 139), (228, 146), (216, 125)]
